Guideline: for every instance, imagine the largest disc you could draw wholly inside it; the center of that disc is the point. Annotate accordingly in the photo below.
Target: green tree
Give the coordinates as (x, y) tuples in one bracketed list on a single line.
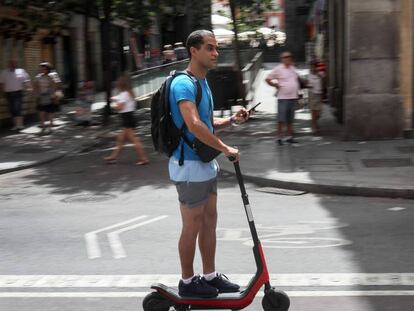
[(252, 11)]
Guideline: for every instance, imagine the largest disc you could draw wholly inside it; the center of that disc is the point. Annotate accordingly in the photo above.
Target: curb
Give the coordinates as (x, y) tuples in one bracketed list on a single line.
[(327, 188), (26, 166)]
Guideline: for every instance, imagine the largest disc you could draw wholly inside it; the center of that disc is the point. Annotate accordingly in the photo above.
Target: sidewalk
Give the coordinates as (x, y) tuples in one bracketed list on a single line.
[(25, 149), (320, 164), (323, 163)]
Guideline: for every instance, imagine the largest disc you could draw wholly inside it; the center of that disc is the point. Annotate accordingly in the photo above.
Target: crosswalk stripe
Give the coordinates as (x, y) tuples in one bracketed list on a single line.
[(360, 293), (145, 280)]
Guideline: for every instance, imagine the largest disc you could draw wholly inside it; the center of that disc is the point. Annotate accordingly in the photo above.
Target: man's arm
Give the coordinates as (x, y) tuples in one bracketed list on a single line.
[(220, 123), (200, 130), (271, 82), (27, 82), (241, 116), (271, 77)]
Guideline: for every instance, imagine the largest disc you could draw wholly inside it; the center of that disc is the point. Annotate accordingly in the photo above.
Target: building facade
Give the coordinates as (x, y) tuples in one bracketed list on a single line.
[(368, 47), (65, 49), (407, 65), (371, 67), (296, 17), (275, 18)]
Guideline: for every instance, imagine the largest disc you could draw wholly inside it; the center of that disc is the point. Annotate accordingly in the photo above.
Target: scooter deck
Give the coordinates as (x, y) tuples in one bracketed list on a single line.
[(232, 301), (174, 293)]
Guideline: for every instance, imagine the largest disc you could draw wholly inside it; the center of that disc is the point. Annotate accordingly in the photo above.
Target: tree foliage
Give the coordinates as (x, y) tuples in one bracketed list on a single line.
[(250, 13), (139, 15)]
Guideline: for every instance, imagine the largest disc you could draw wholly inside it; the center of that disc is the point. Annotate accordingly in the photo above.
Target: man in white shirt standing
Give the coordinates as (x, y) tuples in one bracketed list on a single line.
[(286, 80), (12, 82)]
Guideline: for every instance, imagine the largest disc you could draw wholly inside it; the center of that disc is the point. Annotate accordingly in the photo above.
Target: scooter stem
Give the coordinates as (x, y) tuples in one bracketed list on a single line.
[(246, 203)]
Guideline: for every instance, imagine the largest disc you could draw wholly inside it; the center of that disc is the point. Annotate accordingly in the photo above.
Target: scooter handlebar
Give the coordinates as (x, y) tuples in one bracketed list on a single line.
[(231, 158)]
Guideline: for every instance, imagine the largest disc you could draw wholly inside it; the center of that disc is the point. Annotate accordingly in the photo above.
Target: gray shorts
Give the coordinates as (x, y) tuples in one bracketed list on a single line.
[(195, 194), (286, 110)]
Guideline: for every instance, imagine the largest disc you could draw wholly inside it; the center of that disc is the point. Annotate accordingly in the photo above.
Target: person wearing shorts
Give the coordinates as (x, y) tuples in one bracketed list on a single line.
[(286, 80), (126, 105), (196, 181), (13, 81), (45, 88)]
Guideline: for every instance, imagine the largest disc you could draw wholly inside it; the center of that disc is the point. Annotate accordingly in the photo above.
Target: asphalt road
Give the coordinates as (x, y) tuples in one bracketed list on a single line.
[(77, 234)]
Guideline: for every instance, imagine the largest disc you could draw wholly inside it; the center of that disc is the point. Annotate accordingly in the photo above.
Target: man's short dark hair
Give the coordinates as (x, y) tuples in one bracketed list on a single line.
[(196, 39)]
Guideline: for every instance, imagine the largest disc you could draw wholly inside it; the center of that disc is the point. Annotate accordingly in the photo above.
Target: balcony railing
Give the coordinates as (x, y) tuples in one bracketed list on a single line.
[(145, 82)]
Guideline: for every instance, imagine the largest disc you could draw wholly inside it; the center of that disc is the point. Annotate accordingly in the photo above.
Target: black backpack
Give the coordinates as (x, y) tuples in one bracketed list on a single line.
[(165, 134)]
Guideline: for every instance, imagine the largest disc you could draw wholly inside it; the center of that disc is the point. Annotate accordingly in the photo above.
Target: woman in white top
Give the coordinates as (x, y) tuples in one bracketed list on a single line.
[(125, 104), (45, 88)]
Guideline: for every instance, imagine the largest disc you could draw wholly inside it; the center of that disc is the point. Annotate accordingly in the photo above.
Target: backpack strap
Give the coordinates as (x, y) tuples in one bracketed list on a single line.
[(199, 94)]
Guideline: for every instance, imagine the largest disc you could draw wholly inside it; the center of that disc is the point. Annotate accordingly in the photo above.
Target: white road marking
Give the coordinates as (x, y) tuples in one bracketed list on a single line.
[(301, 242), (359, 293), (92, 245), (115, 242), (396, 209), (350, 293), (145, 280), (287, 236)]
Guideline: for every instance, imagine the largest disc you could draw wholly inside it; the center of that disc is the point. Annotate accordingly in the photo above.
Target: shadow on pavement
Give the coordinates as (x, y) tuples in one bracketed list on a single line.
[(379, 238), (87, 171)]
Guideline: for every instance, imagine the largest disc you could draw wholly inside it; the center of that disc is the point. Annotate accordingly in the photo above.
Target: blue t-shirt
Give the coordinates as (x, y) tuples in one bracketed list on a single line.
[(184, 88)]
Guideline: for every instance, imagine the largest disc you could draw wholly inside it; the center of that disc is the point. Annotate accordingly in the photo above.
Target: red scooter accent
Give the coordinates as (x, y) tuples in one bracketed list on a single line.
[(165, 297)]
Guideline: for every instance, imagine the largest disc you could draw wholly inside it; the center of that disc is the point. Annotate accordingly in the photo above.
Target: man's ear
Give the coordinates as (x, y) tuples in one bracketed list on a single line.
[(193, 50)]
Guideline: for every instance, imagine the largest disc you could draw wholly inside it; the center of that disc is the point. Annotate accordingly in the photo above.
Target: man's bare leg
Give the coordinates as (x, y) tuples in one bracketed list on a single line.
[(192, 219), (120, 139), (290, 129), (207, 235)]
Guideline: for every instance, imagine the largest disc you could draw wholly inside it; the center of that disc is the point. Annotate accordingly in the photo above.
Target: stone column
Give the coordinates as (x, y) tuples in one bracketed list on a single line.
[(373, 106), (407, 62)]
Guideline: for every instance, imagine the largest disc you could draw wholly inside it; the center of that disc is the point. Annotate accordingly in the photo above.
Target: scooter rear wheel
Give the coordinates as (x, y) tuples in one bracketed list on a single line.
[(155, 302), (275, 301)]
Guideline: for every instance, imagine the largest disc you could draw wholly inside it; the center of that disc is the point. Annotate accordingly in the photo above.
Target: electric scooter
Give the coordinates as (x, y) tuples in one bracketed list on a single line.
[(163, 298)]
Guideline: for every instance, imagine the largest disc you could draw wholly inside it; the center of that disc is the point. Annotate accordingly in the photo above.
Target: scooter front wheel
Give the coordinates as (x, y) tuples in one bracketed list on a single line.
[(155, 302), (275, 301)]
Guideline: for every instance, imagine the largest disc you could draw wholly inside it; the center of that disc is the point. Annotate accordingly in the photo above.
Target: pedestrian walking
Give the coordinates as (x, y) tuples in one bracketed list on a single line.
[(315, 95), (286, 81), (45, 88), (126, 105), (195, 179), (13, 81)]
